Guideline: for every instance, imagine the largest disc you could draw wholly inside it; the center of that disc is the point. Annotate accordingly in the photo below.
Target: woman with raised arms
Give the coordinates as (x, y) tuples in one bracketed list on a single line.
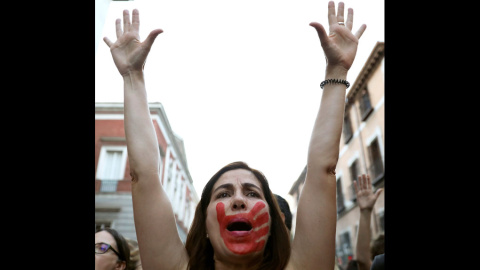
[(237, 223)]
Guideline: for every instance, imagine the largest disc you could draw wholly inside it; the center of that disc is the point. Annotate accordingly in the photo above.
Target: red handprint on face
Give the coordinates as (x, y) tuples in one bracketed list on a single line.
[(241, 232)]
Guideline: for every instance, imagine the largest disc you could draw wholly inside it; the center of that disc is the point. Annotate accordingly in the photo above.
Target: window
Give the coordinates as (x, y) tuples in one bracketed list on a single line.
[(169, 184), (181, 189), (381, 218), (111, 167), (347, 127), (353, 174), (365, 105), (340, 200), (376, 163), (111, 163), (175, 184)]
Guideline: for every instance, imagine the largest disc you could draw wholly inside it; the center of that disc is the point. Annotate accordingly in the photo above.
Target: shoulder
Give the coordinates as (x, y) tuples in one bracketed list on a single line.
[(378, 262)]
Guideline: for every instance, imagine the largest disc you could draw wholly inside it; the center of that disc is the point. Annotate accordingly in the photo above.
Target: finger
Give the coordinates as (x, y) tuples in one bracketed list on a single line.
[(332, 19), (151, 38), (321, 32), (349, 22), (135, 20), (109, 43), (377, 194), (340, 17), (118, 28), (360, 31), (364, 182), (126, 21), (360, 182), (369, 184)]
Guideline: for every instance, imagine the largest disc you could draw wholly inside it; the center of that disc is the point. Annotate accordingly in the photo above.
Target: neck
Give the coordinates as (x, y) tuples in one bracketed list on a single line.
[(232, 266), (247, 263)]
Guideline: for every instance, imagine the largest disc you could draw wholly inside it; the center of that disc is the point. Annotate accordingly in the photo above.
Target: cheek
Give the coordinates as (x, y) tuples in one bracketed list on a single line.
[(211, 220), (103, 261)]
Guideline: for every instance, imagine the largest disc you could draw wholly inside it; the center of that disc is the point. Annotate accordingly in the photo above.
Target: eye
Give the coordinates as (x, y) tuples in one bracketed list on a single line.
[(253, 194), (104, 247), (222, 195)]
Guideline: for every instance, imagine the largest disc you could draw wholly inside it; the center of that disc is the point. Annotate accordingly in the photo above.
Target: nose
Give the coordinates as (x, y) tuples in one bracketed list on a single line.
[(239, 204)]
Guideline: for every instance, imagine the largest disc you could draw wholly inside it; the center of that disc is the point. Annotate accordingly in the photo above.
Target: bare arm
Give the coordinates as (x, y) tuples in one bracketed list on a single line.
[(314, 243), (366, 200), (153, 214)]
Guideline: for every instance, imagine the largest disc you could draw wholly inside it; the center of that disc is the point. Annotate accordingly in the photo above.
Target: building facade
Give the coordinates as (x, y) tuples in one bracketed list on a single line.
[(113, 197), (362, 150)]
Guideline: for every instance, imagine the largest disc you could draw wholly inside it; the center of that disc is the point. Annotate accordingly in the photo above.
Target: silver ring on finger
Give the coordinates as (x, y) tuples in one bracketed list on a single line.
[(341, 23)]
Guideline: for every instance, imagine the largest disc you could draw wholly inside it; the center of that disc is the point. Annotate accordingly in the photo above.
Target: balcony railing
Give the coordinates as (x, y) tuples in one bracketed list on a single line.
[(108, 186)]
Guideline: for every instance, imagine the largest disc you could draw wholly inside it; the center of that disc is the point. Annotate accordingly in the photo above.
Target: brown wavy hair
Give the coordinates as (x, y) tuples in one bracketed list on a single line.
[(277, 249)]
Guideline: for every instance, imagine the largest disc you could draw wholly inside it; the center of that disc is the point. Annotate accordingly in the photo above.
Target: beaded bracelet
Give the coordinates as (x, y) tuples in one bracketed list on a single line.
[(322, 84)]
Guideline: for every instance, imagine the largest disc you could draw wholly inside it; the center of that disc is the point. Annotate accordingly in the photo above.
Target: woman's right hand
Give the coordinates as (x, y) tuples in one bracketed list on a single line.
[(129, 54)]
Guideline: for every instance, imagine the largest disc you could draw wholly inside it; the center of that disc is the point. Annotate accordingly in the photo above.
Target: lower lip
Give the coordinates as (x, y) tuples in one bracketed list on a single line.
[(239, 233)]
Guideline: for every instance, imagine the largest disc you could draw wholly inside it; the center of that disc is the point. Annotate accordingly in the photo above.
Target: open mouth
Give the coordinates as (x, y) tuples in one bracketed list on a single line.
[(239, 225)]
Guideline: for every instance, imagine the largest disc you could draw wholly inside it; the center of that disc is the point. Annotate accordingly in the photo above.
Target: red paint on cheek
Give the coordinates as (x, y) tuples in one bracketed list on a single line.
[(244, 242)]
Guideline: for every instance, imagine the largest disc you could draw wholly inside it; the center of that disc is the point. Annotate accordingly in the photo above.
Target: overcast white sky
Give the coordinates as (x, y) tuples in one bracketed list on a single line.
[(239, 80)]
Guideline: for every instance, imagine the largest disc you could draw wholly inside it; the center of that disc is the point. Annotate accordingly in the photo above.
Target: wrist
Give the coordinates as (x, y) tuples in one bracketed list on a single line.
[(366, 210), (133, 74), (336, 72)]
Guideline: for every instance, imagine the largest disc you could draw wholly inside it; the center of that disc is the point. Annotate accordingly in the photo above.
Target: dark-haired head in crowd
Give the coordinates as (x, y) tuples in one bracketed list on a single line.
[(285, 208), (111, 250)]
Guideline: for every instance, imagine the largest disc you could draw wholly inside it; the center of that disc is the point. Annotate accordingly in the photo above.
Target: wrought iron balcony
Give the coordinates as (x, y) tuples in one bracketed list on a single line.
[(108, 186)]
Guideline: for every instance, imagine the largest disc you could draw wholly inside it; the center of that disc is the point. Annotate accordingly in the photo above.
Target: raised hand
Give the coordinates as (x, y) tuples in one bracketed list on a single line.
[(129, 54), (365, 196), (340, 45)]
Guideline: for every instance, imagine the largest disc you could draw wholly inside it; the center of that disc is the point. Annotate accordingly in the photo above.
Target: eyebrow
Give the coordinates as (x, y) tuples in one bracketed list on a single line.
[(250, 185), (230, 186)]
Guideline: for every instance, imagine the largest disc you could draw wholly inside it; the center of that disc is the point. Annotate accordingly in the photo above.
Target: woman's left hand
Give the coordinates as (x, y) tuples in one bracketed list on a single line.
[(340, 45)]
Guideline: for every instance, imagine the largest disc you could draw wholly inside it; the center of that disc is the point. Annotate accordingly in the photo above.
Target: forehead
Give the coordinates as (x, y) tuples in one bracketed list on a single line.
[(238, 177), (105, 237)]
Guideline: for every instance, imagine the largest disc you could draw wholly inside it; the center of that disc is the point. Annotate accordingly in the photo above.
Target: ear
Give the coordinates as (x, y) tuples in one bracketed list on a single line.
[(121, 265)]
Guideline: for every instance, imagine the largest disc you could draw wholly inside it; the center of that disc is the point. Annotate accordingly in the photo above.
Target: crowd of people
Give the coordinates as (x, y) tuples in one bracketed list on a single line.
[(238, 223), (125, 255)]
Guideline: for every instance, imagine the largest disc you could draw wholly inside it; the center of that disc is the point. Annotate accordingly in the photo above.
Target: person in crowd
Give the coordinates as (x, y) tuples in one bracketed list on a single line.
[(352, 265), (378, 262), (237, 224), (378, 246), (366, 199), (285, 209), (111, 250), (337, 265)]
